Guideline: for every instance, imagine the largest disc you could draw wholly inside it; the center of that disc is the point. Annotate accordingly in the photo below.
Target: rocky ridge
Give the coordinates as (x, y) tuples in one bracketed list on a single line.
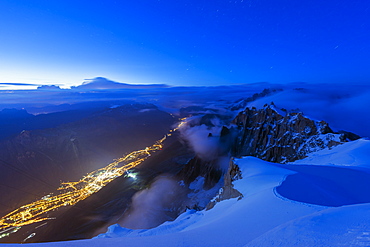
[(280, 136), (275, 136)]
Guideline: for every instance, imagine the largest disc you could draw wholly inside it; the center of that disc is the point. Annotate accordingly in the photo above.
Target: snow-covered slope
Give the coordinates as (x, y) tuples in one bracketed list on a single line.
[(355, 153), (263, 217), (234, 222), (343, 226)]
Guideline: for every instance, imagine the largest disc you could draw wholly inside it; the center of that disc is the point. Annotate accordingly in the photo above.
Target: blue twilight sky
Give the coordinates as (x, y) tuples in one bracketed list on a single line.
[(184, 42)]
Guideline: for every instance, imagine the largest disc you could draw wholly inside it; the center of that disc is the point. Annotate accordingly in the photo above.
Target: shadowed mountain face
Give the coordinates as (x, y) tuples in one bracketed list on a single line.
[(34, 162), (13, 122)]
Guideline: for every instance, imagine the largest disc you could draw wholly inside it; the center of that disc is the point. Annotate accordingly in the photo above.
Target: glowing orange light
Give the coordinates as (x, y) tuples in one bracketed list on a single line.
[(73, 192)]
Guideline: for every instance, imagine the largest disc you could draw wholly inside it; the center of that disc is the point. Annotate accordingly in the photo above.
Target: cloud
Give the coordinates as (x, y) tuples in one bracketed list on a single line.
[(48, 87), (343, 106), (161, 202), (203, 139), (18, 84)]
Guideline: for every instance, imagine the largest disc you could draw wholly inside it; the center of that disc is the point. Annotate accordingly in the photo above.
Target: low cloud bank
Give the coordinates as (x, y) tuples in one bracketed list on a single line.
[(203, 139), (159, 203), (344, 107), (204, 145)]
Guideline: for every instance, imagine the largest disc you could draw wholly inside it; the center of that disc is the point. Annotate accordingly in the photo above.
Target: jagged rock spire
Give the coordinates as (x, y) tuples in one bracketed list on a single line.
[(268, 135)]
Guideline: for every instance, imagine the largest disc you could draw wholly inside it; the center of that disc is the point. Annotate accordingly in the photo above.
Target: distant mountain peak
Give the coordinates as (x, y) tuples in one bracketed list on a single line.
[(102, 83)]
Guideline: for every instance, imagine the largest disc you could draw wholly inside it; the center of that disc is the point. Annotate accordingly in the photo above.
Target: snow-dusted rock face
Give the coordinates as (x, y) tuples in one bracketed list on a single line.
[(268, 135), (228, 191)]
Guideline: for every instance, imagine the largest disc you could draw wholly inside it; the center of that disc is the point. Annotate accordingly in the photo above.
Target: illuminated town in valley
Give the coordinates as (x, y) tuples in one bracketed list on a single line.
[(73, 192)]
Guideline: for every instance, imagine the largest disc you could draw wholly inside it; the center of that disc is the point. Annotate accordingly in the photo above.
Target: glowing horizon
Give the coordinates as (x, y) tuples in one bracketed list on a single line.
[(184, 43)]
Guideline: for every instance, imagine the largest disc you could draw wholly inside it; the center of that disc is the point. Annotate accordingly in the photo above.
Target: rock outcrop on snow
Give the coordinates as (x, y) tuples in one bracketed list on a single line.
[(281, 137), (227, 191), (275, 136)]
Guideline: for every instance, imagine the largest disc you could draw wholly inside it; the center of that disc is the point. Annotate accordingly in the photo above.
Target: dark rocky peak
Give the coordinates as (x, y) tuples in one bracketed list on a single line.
[(197, 167), (281, 136), (349, 136)]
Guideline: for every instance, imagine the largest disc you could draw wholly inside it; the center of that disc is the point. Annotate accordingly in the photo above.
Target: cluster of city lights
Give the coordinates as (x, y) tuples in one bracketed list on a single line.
[(73, 192)]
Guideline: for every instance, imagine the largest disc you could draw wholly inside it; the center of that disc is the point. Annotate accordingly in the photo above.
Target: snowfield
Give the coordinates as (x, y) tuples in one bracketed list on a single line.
[(265, 217), (343, 226), (355, 154)]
